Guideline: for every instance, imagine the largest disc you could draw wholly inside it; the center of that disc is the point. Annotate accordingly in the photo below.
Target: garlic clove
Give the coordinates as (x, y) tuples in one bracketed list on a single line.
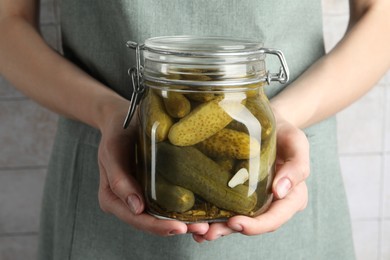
[(239, 178)]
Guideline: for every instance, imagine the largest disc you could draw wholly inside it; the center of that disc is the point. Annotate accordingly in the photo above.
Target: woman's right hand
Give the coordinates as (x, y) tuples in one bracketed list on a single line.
[(119, 192)]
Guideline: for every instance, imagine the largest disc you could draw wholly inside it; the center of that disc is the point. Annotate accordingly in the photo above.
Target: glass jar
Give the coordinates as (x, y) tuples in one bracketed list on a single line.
[(207, 142)]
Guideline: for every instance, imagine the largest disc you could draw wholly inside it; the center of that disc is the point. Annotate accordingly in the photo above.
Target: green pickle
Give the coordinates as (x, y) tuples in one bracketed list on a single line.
[(190, 167), (173, 198)]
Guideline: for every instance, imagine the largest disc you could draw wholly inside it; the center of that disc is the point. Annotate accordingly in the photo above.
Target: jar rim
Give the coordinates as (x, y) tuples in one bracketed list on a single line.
[(202, 45)]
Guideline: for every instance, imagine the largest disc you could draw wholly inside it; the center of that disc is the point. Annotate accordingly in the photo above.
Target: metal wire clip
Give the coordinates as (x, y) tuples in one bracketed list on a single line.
[(136, 81), (283, 75)]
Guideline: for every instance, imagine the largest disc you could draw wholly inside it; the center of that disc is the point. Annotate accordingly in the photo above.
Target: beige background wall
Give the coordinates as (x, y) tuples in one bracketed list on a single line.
[(27, 130)]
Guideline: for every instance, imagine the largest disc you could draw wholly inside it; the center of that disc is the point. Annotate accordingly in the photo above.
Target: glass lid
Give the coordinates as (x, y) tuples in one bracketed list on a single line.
[(202, 45)]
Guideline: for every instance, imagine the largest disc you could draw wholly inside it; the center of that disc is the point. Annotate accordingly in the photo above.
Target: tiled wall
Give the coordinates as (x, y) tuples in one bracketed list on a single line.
[(27, 130)]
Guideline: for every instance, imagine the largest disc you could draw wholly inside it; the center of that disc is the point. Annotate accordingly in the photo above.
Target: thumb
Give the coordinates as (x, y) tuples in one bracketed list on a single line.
[(124, 189), (127, 189)]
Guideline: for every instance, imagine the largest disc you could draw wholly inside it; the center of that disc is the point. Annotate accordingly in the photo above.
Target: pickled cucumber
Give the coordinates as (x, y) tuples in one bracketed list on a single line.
[(254, 89), (176, 104), (194, 74), (201, 97), (226, 163), (201, 123), (156, 121), (231, 144), (206, 119), (189, 168), (173, 198), (266, 159), (259, 107)]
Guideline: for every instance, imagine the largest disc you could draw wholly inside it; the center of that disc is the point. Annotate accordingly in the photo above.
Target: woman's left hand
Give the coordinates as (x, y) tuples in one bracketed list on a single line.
[(289, 188)]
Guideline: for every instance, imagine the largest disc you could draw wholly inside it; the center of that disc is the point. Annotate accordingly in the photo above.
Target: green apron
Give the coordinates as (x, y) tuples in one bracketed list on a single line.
[(94, 34)]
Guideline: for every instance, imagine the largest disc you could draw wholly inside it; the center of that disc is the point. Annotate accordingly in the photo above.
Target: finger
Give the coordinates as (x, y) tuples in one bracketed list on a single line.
[(278, 214), (109, 202), (198, 238), (124, 186), (293, 162), (147, 222), (116, 161), (198, 228), (217, 230), (105, 195)]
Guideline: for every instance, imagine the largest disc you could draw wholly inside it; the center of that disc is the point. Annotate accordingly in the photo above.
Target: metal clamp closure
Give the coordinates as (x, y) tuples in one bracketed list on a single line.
[(284, 74), (136, 81)]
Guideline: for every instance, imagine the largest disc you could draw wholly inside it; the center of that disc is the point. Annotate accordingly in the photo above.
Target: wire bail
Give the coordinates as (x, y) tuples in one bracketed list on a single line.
[(136, 82), (284, 74)]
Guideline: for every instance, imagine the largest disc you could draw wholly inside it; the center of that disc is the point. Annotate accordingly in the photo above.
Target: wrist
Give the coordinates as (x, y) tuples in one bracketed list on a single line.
[(111, 109), (281, 114)]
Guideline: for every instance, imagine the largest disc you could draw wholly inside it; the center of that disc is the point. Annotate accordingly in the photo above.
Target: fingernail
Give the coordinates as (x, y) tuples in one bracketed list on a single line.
[(236, 227), (219, 236), (198, 238), (284, 185), (134, 203), (174, 232)]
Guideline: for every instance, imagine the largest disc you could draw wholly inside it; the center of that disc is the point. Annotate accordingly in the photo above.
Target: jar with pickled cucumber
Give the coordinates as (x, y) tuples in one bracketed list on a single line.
[(207, 142)]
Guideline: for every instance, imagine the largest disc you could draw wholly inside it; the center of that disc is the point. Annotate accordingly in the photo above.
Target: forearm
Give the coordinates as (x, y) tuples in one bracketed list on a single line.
[(45, 76), (343, 75)]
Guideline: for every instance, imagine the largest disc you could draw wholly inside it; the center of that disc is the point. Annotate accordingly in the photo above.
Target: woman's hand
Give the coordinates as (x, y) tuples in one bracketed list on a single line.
[(289, 188), (119, 192)]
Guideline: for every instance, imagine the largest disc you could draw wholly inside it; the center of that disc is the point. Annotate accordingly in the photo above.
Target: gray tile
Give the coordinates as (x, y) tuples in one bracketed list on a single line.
[(18, 247), (387, 118), (8, 91), (361, 126), (330, 7), (365, 236), (386, 186), (26, 134), (334, 29), (362, 180), (384, 81), (20, 200), (385, 254), (50, 34)]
